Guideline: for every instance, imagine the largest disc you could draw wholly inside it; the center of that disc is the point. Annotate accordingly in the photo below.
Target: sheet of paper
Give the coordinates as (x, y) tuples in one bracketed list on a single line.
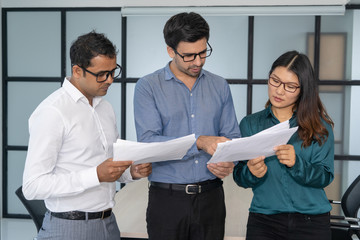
[(139, 152), (260, 144)]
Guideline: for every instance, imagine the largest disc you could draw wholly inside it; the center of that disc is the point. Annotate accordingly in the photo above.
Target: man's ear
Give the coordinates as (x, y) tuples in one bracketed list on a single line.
[(76, 71), (170, 51)]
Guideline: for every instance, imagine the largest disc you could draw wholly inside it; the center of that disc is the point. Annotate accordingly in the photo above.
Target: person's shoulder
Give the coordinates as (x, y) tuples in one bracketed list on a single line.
[(151, 81), (156, 75), (253, 123), (218, 82), (54, 99), (256, 117), (54, 103), (261, 113), (213, 76)]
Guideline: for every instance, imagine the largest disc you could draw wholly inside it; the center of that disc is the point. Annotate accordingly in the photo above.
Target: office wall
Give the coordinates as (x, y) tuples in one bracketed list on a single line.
[(352, 169), (236, 56)]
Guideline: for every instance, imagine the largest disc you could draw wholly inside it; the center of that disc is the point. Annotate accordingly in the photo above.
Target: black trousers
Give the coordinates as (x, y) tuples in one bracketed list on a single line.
[(175, 215), (288, 226)]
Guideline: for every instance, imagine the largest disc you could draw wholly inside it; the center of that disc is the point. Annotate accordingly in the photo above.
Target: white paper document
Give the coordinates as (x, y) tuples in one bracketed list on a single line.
[(260, 144), (140, 152)]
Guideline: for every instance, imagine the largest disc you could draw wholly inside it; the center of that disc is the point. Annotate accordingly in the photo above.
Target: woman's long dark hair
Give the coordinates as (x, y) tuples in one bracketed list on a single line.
[(309, 108)]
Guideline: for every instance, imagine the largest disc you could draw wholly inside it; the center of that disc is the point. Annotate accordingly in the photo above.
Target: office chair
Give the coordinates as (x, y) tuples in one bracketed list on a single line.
[(348, 225), (36, 208)]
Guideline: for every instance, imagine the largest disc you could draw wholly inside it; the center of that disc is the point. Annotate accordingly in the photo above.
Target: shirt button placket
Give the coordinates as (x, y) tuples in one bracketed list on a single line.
[(192, 113)]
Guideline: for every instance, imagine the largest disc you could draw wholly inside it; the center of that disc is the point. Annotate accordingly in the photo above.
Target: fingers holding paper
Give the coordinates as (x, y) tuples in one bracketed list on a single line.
[(110, 171), (209, 143), (286, 154), (140, 170), (222, 169), (257, 166)]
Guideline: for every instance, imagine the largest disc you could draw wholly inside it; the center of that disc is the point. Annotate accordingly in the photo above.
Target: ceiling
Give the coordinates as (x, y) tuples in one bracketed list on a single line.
[(172, 3), (243, 3), (236, 7)]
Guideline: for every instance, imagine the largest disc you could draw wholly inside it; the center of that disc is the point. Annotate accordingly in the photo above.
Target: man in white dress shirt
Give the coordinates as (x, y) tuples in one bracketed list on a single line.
[(69, 160)]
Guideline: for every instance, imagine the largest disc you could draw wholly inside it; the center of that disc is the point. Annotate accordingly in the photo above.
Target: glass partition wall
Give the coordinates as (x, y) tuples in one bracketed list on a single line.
[(35, 60)]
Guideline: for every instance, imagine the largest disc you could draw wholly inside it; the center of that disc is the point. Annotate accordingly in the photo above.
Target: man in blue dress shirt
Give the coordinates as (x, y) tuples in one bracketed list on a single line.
[(186, 197)]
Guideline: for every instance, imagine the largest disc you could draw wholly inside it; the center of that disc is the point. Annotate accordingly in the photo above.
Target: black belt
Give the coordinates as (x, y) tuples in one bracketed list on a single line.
[(193, 188), (77, 215)]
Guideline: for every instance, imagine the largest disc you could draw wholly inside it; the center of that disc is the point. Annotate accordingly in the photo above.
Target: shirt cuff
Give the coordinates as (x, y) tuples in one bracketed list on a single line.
[(126, 177), (89, 178), (297, 166), (192, 151)]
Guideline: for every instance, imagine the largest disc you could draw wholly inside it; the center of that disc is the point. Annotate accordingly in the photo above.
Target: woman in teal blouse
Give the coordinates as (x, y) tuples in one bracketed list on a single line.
[(289, 201)]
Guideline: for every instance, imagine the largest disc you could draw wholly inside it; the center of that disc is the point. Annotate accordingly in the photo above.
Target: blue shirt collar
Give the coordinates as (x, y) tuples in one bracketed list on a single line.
[(170, 75)]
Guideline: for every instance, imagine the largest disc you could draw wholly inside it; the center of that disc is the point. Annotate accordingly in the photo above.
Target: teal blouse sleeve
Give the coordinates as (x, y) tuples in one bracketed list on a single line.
[(241, 174), (318, 170)]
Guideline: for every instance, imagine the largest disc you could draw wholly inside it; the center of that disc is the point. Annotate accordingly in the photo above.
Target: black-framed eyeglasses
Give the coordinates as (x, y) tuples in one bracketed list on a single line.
[(192, 56), (103, 75), (289, 87)]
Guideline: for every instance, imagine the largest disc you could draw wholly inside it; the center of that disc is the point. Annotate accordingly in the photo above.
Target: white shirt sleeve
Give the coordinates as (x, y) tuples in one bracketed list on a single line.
[(40, 181)]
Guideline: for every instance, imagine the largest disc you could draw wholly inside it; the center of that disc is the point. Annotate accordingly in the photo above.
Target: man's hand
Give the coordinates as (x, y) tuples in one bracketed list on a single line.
[(209, 143), (286, 154), (110, 171), (140, 170), (257, 166), (221, 169)]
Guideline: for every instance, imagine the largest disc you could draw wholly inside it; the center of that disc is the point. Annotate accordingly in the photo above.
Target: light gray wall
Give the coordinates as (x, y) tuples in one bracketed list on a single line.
[(351, 169)]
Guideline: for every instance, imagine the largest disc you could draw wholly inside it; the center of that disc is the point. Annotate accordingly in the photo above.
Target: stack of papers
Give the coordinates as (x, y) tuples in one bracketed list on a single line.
[(152, 152), (260, 144)]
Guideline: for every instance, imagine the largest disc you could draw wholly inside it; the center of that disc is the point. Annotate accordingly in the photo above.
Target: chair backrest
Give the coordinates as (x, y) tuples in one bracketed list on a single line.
[(350, 202), (36, 208)]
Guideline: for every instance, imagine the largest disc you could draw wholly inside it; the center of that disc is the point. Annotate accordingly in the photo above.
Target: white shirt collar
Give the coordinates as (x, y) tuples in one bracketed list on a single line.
[(75, 93)]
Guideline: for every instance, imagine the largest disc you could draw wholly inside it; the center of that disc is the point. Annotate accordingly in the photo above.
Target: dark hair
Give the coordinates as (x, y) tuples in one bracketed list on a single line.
[(88, 46), (186, 27), (309, 108)]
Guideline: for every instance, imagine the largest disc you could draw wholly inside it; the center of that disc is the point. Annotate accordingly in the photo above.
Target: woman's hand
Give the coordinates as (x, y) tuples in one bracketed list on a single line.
[(286, 154), (257, 166)]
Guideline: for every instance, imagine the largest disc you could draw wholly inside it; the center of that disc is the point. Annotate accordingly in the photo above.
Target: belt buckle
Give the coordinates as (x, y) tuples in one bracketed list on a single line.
[(102, 214), (192, 185)]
